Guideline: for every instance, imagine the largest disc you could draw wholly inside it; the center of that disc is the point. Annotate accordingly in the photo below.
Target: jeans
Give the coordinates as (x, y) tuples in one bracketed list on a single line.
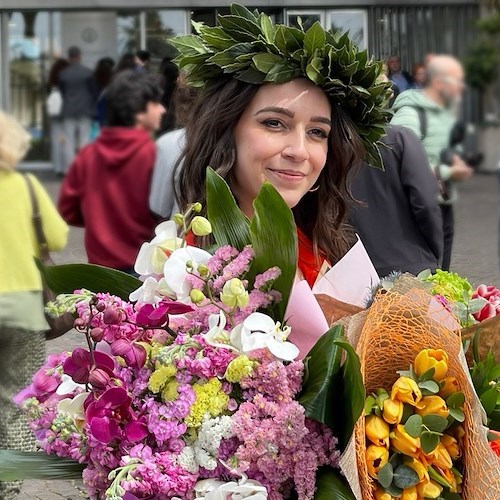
[(448, 233), (76, 133)]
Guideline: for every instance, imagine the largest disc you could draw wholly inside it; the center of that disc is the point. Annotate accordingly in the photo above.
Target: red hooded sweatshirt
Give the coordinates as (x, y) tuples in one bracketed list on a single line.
[(106, 190)]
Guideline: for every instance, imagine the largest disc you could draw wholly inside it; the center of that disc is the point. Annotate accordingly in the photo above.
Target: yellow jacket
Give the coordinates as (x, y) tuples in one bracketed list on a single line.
[(18, 243)]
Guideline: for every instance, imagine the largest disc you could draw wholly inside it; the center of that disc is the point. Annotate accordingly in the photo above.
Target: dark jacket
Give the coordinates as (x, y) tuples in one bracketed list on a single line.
[(106, 190), (77, 88), (400, 224)]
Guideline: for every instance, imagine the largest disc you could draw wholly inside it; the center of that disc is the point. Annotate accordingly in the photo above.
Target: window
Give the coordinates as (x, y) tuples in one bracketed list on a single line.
[(354, 21)]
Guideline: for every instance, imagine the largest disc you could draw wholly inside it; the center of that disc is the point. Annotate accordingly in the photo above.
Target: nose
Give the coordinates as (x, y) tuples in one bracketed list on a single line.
[(296, 148)]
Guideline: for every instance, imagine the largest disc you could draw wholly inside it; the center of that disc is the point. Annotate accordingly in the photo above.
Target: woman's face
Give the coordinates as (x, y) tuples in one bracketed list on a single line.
[(281, 137)]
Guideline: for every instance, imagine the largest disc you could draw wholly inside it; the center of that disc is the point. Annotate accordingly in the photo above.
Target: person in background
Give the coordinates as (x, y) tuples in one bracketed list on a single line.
[(103, 73), (169, 73), (169, 148), (106, 189), (401, 79), (142, 60), (430, 114), (418, 75), (126, 62), (57, 137), (76, 84), (398, 217), (22, 319)]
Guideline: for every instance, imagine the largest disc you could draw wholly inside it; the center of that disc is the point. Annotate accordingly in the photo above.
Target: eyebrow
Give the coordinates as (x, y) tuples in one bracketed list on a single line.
[(291, 114)]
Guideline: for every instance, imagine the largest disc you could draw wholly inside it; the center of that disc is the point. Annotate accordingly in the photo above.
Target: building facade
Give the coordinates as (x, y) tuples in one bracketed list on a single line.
[(34, 33)]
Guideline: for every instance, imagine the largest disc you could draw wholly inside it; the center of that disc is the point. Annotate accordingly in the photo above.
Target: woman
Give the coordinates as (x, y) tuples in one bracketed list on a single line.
[(22, 320), (302, 137)]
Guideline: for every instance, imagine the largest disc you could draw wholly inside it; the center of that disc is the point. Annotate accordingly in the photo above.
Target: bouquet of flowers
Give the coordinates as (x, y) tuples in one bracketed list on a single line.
[(190, 389)]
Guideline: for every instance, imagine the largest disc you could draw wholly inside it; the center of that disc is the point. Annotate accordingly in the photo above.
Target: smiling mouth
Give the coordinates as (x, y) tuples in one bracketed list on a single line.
[(288, 174)]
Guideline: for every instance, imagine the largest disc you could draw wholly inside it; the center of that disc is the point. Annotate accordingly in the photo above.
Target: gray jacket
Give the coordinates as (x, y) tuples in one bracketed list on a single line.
[(400, 223), (77, 88)]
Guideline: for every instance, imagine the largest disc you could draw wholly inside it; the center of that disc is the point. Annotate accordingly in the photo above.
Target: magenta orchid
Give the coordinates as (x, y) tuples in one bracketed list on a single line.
[(155, 317), (79, 365), (134, 354)]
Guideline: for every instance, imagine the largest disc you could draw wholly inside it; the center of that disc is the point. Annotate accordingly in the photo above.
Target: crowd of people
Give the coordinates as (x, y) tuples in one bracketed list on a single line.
[(119, 183)]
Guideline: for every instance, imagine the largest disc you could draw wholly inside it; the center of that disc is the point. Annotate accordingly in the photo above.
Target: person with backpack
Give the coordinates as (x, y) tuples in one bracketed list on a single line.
[(430, 113)]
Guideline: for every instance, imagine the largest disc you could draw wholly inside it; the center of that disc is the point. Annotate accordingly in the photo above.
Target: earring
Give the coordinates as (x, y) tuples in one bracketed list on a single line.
[(313, 190)]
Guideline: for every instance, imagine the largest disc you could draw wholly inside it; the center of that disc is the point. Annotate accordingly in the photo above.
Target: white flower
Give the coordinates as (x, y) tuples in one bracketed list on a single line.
[(175, 269), (187, 460), (68, 386), (151, 291), (73, 407), (213, 489), (260, 331), (152, 255), (216, 335)]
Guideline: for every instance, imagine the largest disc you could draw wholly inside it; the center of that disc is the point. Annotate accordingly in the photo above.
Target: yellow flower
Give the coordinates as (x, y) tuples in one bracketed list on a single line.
[(201, 226), (377, 430), (451, 445), (410, 494), (393, 411), (440, 457), (376, 458), (406, 390), (418, 467), (432, 405), (169, 392), (239, 368), (449, 386), (401, 441), (432, 358), (234, 294), (196, 296), (429, 489), (160, 377), (380, 494), (210, 399)]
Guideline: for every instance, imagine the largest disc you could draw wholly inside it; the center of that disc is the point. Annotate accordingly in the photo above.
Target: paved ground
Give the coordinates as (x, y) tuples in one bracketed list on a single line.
[(475, 256)]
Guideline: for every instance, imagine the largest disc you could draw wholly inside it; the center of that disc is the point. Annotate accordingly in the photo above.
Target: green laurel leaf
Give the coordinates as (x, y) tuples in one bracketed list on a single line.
[(282, 73), (265, 62), (314, 39)]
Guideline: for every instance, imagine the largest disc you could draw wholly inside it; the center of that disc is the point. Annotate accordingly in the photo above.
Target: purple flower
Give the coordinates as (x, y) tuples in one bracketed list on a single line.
[(133, 354), (79, 365), (154, 317)]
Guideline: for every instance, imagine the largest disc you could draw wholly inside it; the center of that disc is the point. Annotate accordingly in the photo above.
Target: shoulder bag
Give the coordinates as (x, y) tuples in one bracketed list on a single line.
[(60, 324)]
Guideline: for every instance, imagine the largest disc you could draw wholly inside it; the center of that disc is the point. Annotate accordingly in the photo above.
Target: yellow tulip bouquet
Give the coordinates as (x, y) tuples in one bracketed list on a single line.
[(414, 433)]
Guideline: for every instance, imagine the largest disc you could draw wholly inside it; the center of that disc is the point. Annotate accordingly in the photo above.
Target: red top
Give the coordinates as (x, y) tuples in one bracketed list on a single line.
[(308, 264), (106, 190)]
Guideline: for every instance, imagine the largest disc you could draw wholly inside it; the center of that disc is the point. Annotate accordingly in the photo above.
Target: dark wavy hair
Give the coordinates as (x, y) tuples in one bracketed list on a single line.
[(321, 214)]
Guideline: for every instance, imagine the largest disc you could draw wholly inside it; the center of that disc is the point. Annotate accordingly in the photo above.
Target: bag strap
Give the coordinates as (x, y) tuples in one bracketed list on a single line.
[(37, 221), (422, 118)]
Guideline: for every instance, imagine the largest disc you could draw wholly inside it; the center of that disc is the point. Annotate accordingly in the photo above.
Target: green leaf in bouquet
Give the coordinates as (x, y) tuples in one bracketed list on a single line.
[(274, 242), (394, 491), (429, 441), (405, 477), (456, 400), (67, 278), (489, 400), (230, 226), (423, 275), (369, 404), (451, 496), (434, 474), (332, 485), (413, 426), (408, 411), (427, 375), (429, 387), (457, 414), (435, 423), (475, 305), (382, 395), (20, 465), (385, 475)]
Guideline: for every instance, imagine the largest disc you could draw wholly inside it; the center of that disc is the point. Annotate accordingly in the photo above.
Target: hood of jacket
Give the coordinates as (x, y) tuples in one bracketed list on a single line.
[(115, 146), (414, 98)]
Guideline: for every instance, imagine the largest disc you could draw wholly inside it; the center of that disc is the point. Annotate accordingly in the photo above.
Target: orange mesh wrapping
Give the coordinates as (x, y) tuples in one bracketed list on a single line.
[(398, 326)]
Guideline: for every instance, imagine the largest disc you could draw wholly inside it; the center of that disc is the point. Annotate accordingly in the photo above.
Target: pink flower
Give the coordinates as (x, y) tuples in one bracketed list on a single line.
[(492, 307), (154, 317), (133, 354), (79, 365)]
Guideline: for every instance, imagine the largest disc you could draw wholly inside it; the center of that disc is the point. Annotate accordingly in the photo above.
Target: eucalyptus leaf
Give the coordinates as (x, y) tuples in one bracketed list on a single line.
[(229, 224), (427, 375), (67, 278), (405, 477), (408, 411), (435, 423), (429, 441), (456, 400), (394, 491), (20, 465), (429, 387), (332, 485), (385, 475), (457, 414), (413, 426), (269, 234)]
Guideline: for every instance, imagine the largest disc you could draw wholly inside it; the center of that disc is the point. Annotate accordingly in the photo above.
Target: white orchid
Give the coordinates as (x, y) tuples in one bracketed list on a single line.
[(175, 269), (68, 386), (244, 489), (152, 255), (217, 336), (74, 408), (152, 291), (259, 331)]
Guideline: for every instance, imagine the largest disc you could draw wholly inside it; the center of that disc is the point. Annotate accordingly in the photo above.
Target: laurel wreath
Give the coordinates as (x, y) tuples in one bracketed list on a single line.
[(251, 48)]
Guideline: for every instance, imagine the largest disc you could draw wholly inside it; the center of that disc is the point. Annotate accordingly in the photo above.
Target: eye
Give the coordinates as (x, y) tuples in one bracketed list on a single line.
[(272, 123), (318, 132)]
